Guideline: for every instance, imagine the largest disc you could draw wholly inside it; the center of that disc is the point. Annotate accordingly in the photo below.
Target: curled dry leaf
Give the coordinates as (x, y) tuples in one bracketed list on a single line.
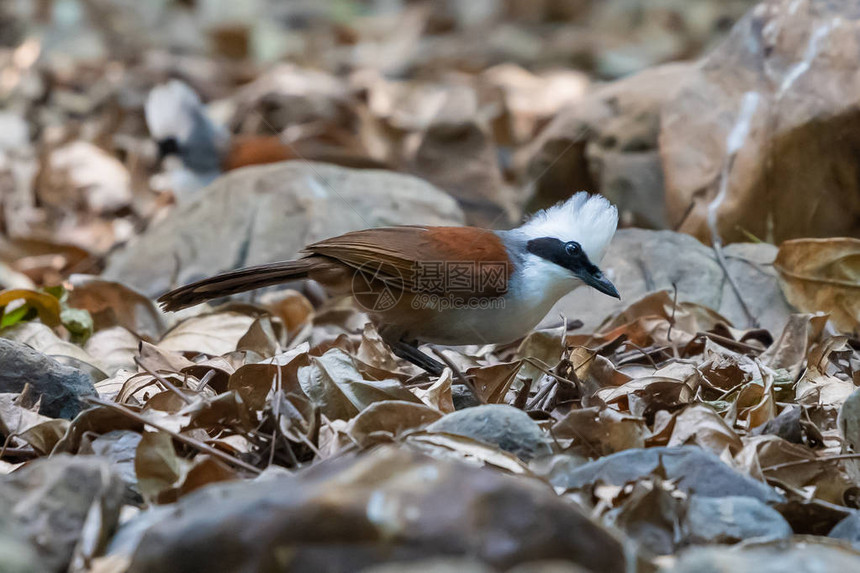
[(254, 382), (41, 432), (45, 340), (261, 338), (156, 464), (335, 385), (819, 385), (823, 275), (47, 306), (658, 319), (599, 432), (493, 382), (438, 395), (114, 304), (701, 425), (292, 307), (384, 421), (214, 334), (790, 349)]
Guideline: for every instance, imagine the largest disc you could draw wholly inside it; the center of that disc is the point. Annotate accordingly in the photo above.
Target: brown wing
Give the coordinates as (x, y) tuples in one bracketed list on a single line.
[(395, 253)]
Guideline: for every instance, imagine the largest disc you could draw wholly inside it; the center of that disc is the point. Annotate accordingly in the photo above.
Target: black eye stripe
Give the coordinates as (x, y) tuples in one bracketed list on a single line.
[(559, 252)]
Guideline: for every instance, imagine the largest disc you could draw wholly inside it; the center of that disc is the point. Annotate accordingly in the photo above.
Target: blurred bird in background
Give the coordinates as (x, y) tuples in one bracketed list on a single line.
[(201, 149)]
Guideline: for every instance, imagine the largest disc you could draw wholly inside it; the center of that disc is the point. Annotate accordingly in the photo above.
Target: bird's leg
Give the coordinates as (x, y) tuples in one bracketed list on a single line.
[(410, 353)]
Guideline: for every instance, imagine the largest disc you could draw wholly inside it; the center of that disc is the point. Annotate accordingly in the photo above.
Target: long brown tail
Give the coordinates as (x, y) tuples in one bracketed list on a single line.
[(233, 282)]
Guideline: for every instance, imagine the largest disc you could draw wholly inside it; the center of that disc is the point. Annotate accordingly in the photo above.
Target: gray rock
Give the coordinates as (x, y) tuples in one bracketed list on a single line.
[(803, 555), (694, 471), (59, 387), (46, 503), (387, 505), (640, 261), (16, 555), (432, 566), (848, 529), (501, 425), (732, 519), (268, 213)]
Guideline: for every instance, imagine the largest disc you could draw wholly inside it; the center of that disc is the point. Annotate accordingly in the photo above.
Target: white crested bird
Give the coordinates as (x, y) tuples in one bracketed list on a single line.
[(445, 285)]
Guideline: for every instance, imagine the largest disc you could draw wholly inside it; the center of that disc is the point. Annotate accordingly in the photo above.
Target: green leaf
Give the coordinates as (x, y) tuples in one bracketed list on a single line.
[(78, 322), (13, 317)]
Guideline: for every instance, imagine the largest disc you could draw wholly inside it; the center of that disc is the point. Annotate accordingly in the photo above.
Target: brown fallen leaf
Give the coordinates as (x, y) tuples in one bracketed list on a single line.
[(214, 334), (823, 275), (335, 385), (384, 421), (114, 304), (41, 432), (156, 464), (701, 425)]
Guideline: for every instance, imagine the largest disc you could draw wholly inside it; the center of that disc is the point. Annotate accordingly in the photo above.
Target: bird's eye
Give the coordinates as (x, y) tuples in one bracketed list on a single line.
[(572, 248)]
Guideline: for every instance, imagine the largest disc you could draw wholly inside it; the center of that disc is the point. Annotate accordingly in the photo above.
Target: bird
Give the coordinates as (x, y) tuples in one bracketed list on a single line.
[(440, 285), (178, 122)]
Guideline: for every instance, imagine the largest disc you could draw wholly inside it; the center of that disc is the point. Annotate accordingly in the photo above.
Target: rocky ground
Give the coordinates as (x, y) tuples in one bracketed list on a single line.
[(707, 421)]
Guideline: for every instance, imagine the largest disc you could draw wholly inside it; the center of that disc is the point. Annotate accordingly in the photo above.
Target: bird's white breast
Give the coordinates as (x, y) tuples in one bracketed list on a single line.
[(531, 294)]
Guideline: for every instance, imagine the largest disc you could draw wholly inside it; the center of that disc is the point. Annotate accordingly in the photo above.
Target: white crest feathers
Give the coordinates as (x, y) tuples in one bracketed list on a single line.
[(171, 111), (590, 220)]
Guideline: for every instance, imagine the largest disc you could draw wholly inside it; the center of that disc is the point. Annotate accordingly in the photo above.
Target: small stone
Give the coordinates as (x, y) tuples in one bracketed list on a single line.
[(848, 529), (692, 469), (59, 387), (501, 425), (732, 519)]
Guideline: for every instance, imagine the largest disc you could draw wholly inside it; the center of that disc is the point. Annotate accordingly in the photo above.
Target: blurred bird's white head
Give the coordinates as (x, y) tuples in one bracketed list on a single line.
[(178, 122)]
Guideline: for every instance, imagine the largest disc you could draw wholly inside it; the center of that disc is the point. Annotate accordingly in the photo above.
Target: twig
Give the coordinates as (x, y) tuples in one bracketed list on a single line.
[(674, 308), (728, 342), (166, 383), (811, 461), (643, 352), (546, 388), (721, 260), (214, 452), (541, 394), (460, 376)]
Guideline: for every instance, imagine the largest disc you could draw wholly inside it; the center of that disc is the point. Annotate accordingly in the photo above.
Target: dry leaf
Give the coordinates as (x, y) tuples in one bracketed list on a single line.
[(823, 275), (113, 304), (212, 334)]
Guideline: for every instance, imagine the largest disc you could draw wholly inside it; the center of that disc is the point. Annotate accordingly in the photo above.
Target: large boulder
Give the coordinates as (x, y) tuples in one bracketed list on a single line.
[(796, 173), (389, 505), (268, 213), (783, 83)]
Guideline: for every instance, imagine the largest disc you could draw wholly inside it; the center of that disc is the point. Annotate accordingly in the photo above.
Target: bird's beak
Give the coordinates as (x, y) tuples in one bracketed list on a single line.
[(599, 282)]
